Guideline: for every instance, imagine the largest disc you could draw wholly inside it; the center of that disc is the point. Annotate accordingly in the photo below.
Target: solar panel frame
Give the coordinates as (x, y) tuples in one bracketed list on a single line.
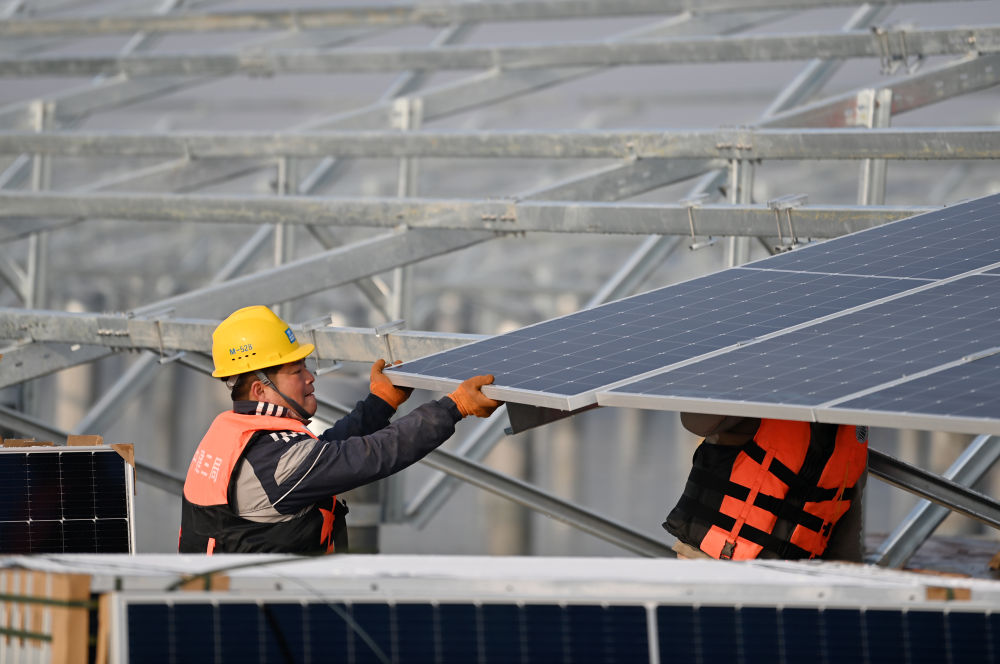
[(819, 291), (150, 623), (654, 391), (99, 528), (949, 253)]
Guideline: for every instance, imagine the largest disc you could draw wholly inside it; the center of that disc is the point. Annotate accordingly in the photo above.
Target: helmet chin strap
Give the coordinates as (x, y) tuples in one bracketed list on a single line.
[(296, 406)]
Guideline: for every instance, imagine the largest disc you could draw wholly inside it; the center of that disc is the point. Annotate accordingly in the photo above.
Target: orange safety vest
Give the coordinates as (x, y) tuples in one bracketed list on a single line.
[(208, 523), (777, 496)]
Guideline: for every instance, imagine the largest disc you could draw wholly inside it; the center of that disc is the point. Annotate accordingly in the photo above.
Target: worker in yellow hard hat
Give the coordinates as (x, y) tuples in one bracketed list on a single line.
[(260, 481)]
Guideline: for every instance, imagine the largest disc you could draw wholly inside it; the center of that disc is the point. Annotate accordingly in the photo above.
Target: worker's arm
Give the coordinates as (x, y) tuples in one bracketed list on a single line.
[(289, 473), (369, 415), (285, 472)]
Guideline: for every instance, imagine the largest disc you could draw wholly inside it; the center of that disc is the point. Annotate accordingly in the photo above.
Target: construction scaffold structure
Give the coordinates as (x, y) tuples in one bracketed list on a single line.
[(400, 179)]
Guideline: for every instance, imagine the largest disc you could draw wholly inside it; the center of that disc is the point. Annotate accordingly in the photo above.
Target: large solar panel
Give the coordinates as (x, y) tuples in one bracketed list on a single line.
[(808, 331), (562, 362), (65, 500), (182, 629)]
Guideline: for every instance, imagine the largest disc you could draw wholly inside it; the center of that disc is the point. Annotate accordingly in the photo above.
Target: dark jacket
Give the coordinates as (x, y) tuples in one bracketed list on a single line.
[(280, 483)]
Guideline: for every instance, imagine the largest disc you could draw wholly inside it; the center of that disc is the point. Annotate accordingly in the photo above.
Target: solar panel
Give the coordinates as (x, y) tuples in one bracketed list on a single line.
[(313, 630), (803, 332), (562, 362), (229, 629), (65, 500)]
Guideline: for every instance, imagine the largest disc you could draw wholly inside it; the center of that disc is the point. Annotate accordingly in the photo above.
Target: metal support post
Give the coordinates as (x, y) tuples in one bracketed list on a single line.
[(878, 104), (38, 244), (920, 523), (740, 191), (284, 236)]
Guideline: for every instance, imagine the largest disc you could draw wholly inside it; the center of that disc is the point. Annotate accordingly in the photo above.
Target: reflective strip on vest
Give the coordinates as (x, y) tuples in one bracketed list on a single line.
[(786, 443)]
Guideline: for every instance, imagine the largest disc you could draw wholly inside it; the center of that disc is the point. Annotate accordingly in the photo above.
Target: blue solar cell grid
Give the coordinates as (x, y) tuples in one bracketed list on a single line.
[(562, 362), (936, 245), (591, 349), (970, 390), (376, 632), (823, 635), (845, 355), (66, 501), (286, 631)]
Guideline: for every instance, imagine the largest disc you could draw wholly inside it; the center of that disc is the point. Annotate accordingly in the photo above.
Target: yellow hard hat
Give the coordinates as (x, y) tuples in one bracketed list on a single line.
[(254, 338)]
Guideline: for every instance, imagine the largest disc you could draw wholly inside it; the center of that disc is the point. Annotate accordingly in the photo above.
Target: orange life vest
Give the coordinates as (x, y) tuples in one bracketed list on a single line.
[(208, 523), (777, 496)]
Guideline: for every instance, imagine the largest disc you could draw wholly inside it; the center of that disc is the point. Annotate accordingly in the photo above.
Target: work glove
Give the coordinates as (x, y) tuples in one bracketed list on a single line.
[(470, 399), (383, 388)]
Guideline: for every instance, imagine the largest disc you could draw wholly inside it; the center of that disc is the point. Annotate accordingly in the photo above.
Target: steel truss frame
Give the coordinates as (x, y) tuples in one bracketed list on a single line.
[(851, 125)]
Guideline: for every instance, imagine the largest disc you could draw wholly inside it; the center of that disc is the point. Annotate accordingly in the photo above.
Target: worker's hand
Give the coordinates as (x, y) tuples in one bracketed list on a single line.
[(383, 388), (470, 399)]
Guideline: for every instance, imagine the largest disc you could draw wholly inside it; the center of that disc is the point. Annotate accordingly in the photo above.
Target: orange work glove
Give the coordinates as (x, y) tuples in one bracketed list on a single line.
[(470, 399), (383, 388)]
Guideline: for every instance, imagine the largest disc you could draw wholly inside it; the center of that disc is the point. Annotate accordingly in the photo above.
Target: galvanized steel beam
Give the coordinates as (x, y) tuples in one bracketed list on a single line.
[(386, 15), (744, 143), (886, 44), (977, 459), (935, 488), (923, 88), (434, 216), (161, 334)]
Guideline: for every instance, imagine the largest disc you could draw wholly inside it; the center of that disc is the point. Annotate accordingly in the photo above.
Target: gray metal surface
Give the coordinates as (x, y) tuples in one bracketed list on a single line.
[(880, 143), (929, 42), (467, 151), (383, 15), (434, 216), (926, 516)]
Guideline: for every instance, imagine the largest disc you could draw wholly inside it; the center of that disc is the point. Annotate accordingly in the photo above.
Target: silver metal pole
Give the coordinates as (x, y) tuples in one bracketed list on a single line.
[(977, 459), (873, 171), (384, 15), (756, 48), (956, 497)]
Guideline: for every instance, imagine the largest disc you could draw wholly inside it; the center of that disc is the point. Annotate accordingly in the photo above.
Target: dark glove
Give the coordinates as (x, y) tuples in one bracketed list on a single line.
[(383, 388), (470, 399)]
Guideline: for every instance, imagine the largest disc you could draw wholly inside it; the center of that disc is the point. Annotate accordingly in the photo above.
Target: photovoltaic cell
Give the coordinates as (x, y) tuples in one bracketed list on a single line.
[(846, 354), (64, 500), (800, 634), (967, 391), (577, 354), (381, 632), (936, 245), (806, 331), (311, 630)]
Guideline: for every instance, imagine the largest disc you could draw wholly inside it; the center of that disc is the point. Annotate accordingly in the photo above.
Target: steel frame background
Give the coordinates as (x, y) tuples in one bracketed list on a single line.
[(343, 164)]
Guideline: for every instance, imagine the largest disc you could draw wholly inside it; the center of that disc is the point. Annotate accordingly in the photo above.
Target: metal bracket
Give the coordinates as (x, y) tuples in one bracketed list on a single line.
[(309, 328), (692, 203), (786, 203), (157, 316), (383, 332), (891, 61)]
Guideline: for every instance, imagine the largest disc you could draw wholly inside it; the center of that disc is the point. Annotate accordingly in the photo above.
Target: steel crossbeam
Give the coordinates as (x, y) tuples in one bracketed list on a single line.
[(390, 15), (745, 143), (755, 48), (430, 215)]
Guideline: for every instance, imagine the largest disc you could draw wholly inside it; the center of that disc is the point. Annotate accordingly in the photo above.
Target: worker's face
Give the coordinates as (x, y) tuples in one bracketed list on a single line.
[(296, 382)]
